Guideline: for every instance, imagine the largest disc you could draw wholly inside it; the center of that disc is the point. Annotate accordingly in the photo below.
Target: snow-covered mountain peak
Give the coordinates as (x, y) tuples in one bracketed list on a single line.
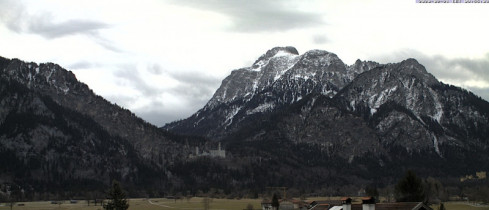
[(274, 52)]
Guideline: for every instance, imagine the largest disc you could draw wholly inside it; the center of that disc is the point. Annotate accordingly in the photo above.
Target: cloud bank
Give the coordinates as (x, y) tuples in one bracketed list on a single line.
[(15, 16), (259, 16)]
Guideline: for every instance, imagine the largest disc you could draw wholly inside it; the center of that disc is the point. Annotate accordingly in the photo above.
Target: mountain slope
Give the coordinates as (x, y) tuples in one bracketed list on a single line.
[(55, 133), (278, 78), (404, 102), (62, 86), (42, 142), (386, 116)]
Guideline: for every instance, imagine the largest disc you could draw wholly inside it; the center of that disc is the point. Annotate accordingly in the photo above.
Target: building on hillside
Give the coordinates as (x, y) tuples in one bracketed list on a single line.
[(481, 175), (218, 153), (478, 176)]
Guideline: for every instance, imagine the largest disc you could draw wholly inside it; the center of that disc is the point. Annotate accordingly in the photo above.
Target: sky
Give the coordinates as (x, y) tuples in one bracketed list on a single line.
[(164, 59)]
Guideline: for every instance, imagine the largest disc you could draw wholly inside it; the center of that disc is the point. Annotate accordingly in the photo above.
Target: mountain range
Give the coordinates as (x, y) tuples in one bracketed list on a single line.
[(56, 134), (394, 105), (304, 121), (380, 119)]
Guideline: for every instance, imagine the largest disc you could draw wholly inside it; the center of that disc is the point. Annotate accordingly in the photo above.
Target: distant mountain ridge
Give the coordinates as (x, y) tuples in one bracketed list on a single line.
[(307, 121), (54, 129), (279, 77), (352, 112)]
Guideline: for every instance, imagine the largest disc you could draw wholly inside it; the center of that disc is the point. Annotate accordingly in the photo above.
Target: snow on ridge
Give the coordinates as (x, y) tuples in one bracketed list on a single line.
[(435, 144), (439, 109), (282, 53), (258, 66), (231, 114), (290, 65), (375, 101), (261, 108)]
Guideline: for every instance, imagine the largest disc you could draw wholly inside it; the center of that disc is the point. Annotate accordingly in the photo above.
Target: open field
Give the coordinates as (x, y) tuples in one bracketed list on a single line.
[(461, 206), (193, 203), (140, 204)]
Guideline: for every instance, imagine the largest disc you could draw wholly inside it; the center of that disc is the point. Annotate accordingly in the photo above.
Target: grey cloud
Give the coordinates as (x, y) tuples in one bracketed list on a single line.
[(107, 44), (155, 69), (194, 78), (320, 39), (482, 92), (154, 113), (460, 69), (82, 65), (121, 100), (443, 68), (258, 15), (130, 74), (13, 14), (46, 27), (193, 88), (158, 118)]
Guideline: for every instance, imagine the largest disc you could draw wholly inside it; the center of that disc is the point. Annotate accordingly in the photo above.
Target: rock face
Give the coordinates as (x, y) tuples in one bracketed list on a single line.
[(278, 78), (54, 129), (397, 113)]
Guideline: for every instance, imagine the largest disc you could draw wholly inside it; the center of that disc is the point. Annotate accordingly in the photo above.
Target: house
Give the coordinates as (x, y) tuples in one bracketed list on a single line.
[(319, 205), (345, 203), (300, 204), (368, 203), (285, 205), (403, 206), (266, 204)]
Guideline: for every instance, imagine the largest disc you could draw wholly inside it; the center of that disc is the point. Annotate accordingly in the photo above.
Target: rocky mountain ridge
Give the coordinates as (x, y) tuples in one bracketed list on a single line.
[(62, 86), (279, 77), (54, 131), (308, 122), (380, 109)]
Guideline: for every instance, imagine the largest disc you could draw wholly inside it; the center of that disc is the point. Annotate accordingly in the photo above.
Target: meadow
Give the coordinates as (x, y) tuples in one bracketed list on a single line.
[(190, 204)]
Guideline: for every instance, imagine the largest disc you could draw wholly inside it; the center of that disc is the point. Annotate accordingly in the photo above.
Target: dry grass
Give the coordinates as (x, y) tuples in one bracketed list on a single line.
[(461, 206), (193, 203), (145, 204)]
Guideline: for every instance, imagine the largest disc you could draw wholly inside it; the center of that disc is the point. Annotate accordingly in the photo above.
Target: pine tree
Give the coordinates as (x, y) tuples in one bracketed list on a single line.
[(442, 207), (116, 197), (410, 188), (275, 202)]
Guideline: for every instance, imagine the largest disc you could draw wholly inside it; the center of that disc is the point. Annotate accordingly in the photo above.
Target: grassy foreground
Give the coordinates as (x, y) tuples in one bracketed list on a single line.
[(193, 203), (140, 204), (461, 206)]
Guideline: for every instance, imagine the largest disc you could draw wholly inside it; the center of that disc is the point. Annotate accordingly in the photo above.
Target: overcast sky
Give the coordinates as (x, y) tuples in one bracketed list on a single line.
[(163, 59)]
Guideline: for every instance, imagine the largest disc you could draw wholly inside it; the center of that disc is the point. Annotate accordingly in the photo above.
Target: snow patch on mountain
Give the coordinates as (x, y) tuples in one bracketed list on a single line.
[(376, 100), (261, 108), (438, 107), (435, 144), (230, 115)]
